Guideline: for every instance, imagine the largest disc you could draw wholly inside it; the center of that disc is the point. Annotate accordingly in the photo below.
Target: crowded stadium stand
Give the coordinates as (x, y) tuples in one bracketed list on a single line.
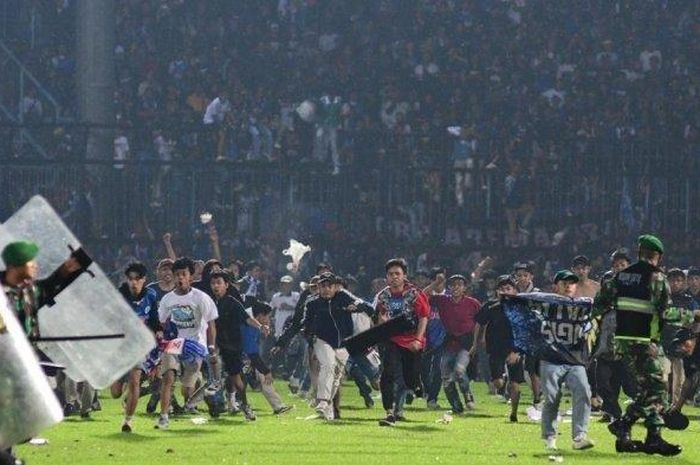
[(461, 128)]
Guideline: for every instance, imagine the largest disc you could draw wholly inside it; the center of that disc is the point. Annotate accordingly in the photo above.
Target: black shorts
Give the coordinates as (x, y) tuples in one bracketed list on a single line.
[(232, 360), (498, 366), (516, 372), (532, 365)]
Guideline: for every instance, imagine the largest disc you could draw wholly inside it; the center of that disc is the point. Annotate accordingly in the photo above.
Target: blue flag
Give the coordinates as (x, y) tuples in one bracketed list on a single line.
[(550, 327)]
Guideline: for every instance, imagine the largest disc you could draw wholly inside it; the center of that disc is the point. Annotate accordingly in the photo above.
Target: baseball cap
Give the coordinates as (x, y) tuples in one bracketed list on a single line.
[(457, 276), (580, 260), (504, 280), (286, 279), (694, 271), (565, 275), (675, 272), (327, 277), (527, 266), (620, 254)]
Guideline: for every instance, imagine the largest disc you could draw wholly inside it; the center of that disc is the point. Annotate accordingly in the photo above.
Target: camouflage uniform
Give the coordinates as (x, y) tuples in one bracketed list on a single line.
[(640, 297), (25, 301), (642, 356)]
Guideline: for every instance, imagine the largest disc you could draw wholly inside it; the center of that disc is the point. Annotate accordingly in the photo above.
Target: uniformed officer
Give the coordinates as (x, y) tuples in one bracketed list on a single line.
[(681, 314), (639, 295), (25, 293)]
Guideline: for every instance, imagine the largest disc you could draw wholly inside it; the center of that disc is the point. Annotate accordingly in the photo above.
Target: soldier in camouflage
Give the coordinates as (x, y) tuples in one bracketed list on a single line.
[(25, 293), (639, 295), (681, 314)]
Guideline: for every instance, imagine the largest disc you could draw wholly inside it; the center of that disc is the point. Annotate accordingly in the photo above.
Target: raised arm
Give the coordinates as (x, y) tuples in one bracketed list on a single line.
[(214, 238), (430, 288), (167, 238)]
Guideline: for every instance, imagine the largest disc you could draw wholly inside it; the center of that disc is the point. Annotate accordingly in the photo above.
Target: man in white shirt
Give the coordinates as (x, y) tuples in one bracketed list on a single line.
[(284, 302), (217, 109), (192, 312)]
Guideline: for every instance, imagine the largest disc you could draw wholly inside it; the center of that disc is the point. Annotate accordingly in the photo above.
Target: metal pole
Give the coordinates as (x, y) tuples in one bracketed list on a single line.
[(687, 205), (488, 196), (95, 84), (32, 28), (21, 96)]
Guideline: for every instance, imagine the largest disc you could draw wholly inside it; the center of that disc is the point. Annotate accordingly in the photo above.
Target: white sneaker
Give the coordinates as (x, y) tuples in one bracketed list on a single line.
[(328, 413), (322, 408), (550, 443), (162, 423), (582, 443), (533, 414)]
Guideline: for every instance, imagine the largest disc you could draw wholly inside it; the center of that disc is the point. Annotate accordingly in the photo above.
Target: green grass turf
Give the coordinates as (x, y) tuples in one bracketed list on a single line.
[(483, 436)]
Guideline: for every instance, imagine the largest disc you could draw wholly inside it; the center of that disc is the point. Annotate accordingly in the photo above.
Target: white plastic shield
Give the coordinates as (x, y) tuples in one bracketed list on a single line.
[(90, 306), (27, 403)]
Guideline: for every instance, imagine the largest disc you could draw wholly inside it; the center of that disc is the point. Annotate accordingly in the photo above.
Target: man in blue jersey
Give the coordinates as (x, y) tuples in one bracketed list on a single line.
[(142, 300), (164, 283)]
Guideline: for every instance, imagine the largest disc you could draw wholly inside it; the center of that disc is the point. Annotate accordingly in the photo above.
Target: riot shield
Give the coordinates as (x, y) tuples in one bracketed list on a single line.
[(89, 306), (27, 403)]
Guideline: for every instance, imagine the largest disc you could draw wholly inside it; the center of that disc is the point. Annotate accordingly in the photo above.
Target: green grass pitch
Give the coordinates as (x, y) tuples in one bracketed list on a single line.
[(481, 437)]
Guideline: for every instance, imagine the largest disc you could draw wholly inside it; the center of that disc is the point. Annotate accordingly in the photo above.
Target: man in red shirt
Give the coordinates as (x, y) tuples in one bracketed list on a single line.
[(401, 354), (458, 315)]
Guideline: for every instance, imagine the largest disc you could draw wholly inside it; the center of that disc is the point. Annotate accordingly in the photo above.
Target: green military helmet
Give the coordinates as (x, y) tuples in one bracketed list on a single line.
[(651, 242), (19, 253)]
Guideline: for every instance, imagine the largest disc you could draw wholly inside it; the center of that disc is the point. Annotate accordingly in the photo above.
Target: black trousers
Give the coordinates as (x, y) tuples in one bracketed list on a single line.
[(398, 363), (611, 377), (6, 457)]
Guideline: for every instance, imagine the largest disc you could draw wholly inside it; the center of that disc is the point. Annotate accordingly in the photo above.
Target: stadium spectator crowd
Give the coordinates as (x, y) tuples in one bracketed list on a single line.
[(481, 137), (565, 119)]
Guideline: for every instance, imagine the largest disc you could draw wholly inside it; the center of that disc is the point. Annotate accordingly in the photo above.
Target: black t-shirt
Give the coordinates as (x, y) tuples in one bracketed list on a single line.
[(205, 286), (499, 339), (232, 316)]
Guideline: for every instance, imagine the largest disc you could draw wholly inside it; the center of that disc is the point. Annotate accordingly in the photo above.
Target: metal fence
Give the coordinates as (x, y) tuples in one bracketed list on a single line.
[(614, 184)]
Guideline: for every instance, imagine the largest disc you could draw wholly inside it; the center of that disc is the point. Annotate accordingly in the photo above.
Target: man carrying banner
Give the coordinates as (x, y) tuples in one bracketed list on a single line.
[(553, 327), (565, 360), (639, 295)]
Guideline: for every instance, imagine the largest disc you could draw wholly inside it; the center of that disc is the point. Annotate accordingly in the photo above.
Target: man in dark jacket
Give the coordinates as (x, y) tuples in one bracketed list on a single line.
[(298, 316), (328, 321)]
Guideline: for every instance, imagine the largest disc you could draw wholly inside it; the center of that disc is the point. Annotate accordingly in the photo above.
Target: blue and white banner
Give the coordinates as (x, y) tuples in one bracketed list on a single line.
[(550, 326)]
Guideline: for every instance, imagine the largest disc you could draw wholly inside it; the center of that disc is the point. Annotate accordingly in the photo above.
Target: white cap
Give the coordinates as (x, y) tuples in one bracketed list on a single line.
[(286, 279)]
